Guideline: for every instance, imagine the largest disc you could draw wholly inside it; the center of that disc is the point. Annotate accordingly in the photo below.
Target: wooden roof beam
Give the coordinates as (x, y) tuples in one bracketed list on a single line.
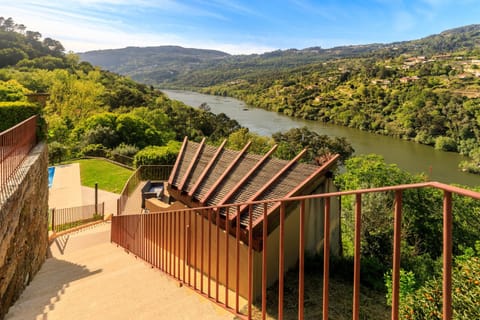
[(207, 168), (322, 169), (177, 162), (247, 176), (272, 180), (225, 173), (192, 164)]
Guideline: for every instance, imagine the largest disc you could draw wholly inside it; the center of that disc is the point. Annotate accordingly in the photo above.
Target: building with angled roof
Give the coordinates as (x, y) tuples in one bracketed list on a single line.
[(208, 176)]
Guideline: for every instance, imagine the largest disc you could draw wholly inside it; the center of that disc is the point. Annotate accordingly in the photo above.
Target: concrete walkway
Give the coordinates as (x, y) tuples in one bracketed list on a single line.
[(109, 198), (67, 191), (87, 277)]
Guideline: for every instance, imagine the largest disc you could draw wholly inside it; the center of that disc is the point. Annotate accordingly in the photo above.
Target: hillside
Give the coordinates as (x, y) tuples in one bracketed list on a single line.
[(153, 64), (171, 66), (90, 111), (426, 90)]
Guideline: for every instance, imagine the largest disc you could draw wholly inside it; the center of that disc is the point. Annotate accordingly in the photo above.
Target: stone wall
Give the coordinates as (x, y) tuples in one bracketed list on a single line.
[(23, 226)]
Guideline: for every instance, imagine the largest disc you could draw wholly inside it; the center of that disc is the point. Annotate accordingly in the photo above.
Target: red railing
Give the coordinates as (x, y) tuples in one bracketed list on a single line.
[(143, 173), (15, 144), (65, 218), (190, 246)]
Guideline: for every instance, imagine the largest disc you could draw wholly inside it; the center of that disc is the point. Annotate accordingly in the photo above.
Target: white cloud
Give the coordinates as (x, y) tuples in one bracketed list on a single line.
[(80, 32)]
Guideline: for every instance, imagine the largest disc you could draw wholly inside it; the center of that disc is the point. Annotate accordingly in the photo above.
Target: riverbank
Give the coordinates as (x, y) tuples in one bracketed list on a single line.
[(413, 157)]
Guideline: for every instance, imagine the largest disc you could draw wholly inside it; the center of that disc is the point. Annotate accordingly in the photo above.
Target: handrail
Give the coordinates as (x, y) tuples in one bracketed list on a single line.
[(167, 240), (144, 172), (15, 144)]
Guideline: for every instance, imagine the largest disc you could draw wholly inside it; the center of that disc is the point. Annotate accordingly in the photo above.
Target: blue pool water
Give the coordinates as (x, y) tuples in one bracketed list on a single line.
[(51, 172)]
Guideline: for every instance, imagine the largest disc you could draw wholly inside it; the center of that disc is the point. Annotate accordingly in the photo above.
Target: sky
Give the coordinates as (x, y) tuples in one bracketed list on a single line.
[(237, 27)]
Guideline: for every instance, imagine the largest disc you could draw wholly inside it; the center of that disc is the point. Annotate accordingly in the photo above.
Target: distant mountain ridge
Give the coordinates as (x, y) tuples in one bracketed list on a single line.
[(168, 61), (173, 65)]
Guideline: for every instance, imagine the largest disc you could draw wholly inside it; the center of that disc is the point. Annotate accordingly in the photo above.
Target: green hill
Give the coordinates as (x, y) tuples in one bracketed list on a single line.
[(175, 66), (90, 111), (153, 64), (426, 90)]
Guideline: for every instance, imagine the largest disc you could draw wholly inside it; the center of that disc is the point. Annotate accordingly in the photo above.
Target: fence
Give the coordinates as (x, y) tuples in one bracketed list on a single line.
[(143, 173), (128, 161), (190, 246), (15, 144), (65, 218)]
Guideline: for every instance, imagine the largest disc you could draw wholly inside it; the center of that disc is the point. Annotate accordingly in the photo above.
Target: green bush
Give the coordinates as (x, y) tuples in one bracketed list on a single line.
[(154, 155), (94, 150), (445, 144), (57, 152), (13, 113), (426, 302), (407, 285), (125, 150), (124, 153)]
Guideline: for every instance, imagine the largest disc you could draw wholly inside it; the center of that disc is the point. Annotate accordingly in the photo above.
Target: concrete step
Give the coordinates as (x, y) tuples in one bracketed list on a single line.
[(87, 277)]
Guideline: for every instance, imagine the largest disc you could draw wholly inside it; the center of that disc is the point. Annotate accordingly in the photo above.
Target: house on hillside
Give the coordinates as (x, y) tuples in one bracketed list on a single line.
[(206, 176)]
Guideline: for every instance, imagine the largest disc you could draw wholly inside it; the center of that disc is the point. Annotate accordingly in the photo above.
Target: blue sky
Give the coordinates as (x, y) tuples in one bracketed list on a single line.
[(237, 27)]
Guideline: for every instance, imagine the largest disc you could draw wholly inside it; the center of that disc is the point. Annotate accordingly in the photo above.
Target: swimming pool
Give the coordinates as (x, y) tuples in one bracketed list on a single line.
[(51, 172)]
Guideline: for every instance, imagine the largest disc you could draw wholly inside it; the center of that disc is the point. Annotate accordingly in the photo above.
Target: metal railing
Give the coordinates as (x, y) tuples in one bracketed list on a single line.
[(15, 144), (190, 246), (143, 173), (66, 218)]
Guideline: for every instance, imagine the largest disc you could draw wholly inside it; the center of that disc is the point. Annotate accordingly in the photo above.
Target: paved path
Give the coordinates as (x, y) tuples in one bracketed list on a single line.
[(67, 191), (87, 277), (110, 199)]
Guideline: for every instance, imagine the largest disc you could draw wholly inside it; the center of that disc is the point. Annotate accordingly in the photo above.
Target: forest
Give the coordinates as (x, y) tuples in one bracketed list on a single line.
[(93, 112), (425, 90), (430, 99)]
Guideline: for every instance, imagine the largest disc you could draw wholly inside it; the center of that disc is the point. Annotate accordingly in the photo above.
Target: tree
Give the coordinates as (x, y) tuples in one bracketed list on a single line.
[(259, 144), (10, 56), (54, 45), (292, 142), (134, 130)]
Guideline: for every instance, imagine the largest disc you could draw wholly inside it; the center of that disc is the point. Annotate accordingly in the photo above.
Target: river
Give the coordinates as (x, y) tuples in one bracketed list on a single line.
[(413, 157)]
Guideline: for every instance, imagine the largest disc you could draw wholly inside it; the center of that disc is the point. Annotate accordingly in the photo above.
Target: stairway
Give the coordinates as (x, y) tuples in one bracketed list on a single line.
[(87, 277)]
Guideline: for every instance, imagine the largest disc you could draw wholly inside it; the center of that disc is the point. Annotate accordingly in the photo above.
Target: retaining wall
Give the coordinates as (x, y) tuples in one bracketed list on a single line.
[(23, 226)]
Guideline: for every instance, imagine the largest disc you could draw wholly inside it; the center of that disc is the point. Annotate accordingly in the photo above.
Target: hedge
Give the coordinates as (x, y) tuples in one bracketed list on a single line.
[(12, 113)]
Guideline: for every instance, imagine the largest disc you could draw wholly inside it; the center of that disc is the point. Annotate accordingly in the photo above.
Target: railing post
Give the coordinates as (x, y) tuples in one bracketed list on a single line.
[(53, 220), (264, 261), (326, 257), (357, 244), (250, 262), (301, 258), (96, 198), (447, 255), (396, 254), (281, 261)]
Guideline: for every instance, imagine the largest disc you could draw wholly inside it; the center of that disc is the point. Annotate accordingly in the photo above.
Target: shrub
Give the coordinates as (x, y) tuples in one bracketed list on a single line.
[(426, 302), (445, 144), (125, 150), (124, 153), (407, 285), (154, 155), (56, 152), (424, 138), (13, 113), (94, 150)]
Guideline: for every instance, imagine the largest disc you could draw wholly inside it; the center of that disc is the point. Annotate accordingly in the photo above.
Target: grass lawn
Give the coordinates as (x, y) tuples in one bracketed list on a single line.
[(109, 176)]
